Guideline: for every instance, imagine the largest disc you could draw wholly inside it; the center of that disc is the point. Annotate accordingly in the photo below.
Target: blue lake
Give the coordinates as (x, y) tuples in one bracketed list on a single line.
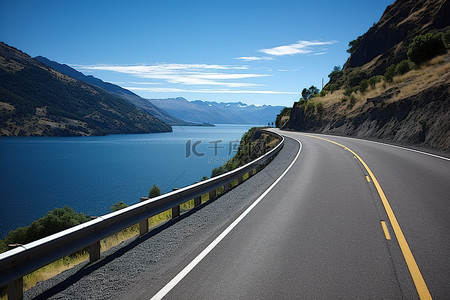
[(90, 174)]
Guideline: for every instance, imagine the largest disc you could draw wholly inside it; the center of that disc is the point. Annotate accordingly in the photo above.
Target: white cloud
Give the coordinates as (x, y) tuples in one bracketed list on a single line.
[(254, 58), (187, 74), (301, 47)]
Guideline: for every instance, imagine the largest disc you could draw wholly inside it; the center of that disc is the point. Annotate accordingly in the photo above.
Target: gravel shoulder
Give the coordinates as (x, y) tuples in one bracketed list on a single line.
[(139, 267)]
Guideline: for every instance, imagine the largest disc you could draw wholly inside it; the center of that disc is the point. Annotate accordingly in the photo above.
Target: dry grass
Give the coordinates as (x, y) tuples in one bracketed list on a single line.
[(434, 72)]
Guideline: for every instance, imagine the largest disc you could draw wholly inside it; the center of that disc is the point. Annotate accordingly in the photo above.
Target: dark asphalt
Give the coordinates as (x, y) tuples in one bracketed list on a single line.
[(318, 234)]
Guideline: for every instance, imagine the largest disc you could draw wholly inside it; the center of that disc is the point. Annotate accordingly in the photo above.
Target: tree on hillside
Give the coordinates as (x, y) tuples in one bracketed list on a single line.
[(353, 45), (307, 93), (425, 47), (337, 72), (154, 192)]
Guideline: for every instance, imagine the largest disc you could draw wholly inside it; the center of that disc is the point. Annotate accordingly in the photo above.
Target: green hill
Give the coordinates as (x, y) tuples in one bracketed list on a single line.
[(36, 100)]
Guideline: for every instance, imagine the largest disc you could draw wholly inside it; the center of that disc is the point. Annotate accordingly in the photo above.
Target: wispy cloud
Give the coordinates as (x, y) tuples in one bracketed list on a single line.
[(254, 58), (212, 91), (186, 74), (301, 47)]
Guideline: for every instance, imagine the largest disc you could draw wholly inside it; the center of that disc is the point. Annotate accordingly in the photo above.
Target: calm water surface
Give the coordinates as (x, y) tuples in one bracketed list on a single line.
[(90, 174)]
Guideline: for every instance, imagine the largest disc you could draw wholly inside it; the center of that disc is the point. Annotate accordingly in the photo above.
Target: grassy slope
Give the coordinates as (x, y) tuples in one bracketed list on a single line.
[(434, 73)]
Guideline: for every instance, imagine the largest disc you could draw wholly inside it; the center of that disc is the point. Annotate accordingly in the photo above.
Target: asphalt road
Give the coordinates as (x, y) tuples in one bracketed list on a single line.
[(317, 234)]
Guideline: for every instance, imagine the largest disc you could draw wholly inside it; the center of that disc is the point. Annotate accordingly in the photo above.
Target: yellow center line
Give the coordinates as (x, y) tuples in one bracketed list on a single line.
[(416, 275)]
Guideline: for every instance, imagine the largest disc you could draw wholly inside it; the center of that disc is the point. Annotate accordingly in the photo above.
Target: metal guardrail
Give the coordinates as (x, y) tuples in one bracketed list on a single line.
[(24, 259)]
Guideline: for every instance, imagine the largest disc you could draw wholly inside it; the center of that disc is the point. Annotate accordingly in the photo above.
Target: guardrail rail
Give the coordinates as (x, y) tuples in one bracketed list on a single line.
[(24, 259)]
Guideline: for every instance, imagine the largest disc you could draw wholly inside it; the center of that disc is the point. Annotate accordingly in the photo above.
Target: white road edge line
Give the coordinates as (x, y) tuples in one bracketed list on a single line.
[(385, 144), (169, 286)]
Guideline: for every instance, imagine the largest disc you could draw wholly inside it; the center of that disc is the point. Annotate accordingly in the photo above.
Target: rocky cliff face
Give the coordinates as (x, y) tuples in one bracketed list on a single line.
[(422, 119), (387, 41)]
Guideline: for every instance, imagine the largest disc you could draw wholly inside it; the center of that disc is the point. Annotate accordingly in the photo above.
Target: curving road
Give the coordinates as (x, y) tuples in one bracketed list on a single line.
[(317, 233)]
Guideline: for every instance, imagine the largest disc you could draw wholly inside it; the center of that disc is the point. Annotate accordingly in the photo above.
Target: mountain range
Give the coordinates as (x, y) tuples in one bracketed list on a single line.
[(218, 113), (36, 100), (179, 111), (115, 90)]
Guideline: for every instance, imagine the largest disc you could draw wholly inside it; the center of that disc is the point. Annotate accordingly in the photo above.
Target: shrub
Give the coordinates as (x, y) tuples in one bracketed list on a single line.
[(309, 106), (390, 73), (117, 206), (403, 67), (425, 47), (218, 171), (363, 85), (55, 221), (374, 80), (302, 101), (352, 101), (355, 77), (332, 87), (154, 192), (349, 90), (319, 107), (322, 93), (285, 111)]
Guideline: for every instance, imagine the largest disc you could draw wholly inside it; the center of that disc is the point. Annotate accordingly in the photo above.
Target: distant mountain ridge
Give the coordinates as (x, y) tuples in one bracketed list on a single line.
[(115, 90), (36, 100), (218, 113)]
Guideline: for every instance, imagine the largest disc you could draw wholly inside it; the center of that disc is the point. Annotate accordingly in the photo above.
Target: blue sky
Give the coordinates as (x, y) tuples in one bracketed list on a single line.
[(257, 52)]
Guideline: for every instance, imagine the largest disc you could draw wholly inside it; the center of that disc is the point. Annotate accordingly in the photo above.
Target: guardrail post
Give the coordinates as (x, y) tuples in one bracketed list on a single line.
[(175, 212), (212, 194), (15, 287), (197, 201), (143, 224), (94, 251), (239, 180), (226, 187)]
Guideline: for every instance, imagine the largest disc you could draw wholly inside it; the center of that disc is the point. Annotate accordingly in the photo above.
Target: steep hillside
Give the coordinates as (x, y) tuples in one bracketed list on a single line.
[(36, 100), (413, 109), (218, 113), (387, 42), (391, 87), (115, 90)]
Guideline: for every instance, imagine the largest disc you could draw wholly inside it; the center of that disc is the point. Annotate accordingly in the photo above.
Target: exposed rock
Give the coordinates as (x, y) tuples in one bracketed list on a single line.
[(423, 118), (388, 40)]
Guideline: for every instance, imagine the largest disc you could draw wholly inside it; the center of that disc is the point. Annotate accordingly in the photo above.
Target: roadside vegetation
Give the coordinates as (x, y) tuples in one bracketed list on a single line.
[(348, 90), (254, 143)]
